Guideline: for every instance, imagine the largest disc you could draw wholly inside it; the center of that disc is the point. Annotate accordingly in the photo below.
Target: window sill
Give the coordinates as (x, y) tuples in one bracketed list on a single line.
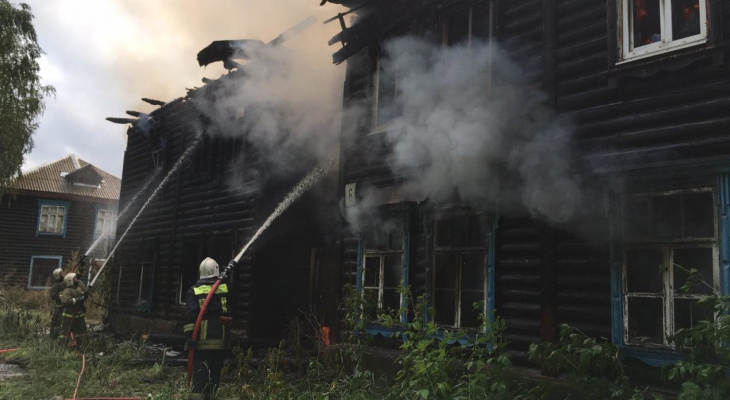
[(649, 65), (651, 356), (62, 234), (375, 329)]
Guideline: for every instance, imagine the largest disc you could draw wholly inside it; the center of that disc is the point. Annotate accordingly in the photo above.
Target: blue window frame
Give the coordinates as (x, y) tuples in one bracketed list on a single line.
[(105, 221), (52, 217), (656, 237), (41, 268)]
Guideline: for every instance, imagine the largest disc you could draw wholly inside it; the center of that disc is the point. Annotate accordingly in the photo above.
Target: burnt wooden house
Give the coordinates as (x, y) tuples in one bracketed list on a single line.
[(647, 87), (214, 190), (51, 214)]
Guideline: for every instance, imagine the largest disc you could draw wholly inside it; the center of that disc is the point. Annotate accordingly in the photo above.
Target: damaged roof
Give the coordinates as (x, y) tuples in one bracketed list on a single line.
[(375, 19), (69, 175)]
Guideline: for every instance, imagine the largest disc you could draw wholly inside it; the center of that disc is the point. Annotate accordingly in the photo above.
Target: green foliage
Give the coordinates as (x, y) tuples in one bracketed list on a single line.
[(592, 367), (21, 99), (706, 366), (443, 364)]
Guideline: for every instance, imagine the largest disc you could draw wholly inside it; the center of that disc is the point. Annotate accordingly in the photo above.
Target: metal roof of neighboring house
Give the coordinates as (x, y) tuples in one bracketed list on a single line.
[(60, 177)]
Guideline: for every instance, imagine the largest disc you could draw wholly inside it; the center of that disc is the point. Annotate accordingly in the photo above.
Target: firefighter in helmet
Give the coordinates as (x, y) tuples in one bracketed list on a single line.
[(211, 345), (73, 298), (57, 307)]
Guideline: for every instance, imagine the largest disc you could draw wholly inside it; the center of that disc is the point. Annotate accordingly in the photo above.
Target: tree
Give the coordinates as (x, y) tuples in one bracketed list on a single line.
[(21, 93)]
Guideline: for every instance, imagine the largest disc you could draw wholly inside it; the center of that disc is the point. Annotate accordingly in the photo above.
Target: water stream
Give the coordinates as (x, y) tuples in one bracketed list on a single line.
[(105, 235), (174, 168), (305, 184)]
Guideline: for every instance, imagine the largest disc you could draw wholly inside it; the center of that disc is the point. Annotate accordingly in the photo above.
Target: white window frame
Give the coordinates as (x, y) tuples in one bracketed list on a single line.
[(52, 210), (460, 252), (668, 294), (105, 222), (381, 255), (626, 41)]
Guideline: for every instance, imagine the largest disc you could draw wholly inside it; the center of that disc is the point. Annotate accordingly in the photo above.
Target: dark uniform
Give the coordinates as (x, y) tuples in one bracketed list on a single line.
[(57, 308), (73, 313), (211, 347)]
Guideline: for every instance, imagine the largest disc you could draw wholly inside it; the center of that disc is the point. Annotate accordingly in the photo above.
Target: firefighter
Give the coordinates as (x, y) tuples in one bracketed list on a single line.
[(73, 298), (57, 307), (211, 346)]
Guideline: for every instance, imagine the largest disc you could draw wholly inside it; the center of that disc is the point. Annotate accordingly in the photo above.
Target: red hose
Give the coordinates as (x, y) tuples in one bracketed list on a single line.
[(7, 350), (109, 398), (78, 381), (191, 352)]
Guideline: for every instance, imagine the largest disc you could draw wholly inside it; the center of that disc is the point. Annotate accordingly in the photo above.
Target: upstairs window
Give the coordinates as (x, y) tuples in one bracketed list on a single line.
[(386, 106), (465, 24), (664, 236), (106, 223), (52, 217), (652, 27), (460, 273)]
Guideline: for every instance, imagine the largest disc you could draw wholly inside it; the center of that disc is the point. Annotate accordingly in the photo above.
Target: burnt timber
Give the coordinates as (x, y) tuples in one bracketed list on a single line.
[(210, 207), (656, 125)]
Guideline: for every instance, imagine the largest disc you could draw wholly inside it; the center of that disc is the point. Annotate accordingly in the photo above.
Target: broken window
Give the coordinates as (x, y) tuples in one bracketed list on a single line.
[(460, 270), (202, 157), (386, 107), (382, 269), (41, 268), (655, 26), (146, 278), (670, 260), (465, 24)]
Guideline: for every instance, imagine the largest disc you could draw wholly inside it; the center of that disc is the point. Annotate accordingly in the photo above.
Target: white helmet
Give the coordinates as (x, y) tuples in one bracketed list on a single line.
[(208, 268), (57, 273), (68, 280)]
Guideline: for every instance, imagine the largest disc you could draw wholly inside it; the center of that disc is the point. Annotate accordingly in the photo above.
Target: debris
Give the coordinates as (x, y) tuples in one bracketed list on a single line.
[(121, 120), (153, 102)]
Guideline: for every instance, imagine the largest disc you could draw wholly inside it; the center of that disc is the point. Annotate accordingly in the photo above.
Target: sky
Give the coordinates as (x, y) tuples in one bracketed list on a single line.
[(103, 56)]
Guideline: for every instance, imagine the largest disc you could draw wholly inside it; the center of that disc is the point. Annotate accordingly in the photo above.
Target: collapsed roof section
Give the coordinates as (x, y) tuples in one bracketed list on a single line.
[(374, 19), (227, 50), (245, 49)]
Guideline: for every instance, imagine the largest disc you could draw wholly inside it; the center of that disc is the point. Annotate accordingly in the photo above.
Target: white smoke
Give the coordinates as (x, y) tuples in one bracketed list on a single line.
[(286, 101), (485, 142)]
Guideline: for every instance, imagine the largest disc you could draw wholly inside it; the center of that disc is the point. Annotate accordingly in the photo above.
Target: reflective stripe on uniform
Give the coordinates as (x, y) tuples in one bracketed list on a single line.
[(204, 289), (213, 344), (224, 305), (66, 315), (203, 330), (188, 327)]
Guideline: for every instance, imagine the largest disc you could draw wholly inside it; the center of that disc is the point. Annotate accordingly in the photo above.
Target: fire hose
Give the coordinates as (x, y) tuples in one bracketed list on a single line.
[(203, 307), (78, 267), (307, 182)]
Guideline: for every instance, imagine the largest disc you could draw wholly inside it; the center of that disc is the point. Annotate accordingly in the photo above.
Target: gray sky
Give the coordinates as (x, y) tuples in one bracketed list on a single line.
[(103, 56)]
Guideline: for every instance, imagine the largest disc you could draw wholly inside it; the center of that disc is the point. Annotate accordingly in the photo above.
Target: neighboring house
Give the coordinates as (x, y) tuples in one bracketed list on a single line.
[(647, 87), (52, 212)]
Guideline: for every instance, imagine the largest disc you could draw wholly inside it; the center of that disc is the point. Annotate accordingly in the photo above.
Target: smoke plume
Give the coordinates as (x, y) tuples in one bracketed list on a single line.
[(472, 127)]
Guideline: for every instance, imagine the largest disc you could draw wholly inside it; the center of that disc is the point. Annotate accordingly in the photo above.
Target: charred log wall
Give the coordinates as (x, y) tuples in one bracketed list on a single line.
[(193, 215)]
